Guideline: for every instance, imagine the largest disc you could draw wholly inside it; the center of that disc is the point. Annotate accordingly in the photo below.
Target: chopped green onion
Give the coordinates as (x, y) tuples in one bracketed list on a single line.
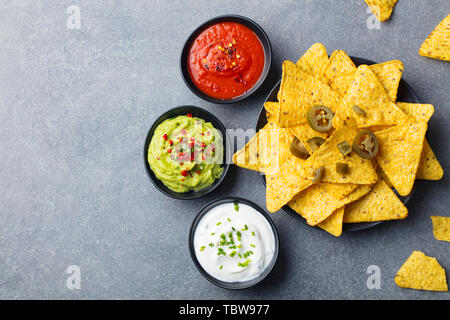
[(244, 264), (252, 245), (253, 233), (229, 219), (221, 267), (236, 206), (232, 254), (218, 223), (211, 244), (202, 248)]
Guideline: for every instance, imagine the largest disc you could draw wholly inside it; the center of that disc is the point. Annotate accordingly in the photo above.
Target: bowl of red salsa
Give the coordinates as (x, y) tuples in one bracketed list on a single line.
[(226, 59)]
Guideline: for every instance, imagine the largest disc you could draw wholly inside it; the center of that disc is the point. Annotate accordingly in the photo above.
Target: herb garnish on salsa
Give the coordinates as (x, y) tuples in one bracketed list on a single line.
[(226, 60)]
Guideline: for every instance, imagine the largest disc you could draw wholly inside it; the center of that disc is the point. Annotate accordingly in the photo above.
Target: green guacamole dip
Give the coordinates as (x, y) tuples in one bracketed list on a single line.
[(186, 153)]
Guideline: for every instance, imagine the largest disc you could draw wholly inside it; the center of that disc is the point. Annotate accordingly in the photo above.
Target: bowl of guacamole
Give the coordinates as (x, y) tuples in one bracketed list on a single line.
[(185, 152)]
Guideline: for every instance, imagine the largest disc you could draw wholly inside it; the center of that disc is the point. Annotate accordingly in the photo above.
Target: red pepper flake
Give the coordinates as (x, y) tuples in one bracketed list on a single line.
[(198, 172), (165, 136), (181, 163), (170, 142), (184, 173), (189, 115), (169, 150), (182, 179)]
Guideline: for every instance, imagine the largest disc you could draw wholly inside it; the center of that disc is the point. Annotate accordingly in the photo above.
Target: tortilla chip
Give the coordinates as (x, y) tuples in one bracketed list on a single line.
[(378, 205), (340, 71), (441, 228), (314, 61), (389, 73), (299, 92), (368, 93), (253, 155), (421, 273), (319, 201), (437, 45), (429, 166), (400, 149), (420, 112), (382, 9), (333, 224), (328, 154), (284, 181)]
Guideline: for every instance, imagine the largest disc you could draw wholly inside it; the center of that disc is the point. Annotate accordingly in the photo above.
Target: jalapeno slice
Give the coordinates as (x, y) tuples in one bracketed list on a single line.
[(315, 143), (366, 144), (342, 168), (320, 118), (344, 147), (318, 174), (359, 111), (298, 149)]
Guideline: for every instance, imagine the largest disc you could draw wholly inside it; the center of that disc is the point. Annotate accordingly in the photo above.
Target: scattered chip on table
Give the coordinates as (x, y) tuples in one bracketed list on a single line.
[(437, 45), (421, 272), (400, 149), (441, 228), (382, 9), (378, 205)]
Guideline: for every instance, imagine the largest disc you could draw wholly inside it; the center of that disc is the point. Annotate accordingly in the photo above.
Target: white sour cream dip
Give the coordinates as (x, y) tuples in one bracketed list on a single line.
[(233, 242)]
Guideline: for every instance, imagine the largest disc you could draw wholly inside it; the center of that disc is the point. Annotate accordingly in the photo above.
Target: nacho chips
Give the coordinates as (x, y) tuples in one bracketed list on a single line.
[(333, 224), (361, 171), (300, 91), (314, 61), (429, 166), (420, 112), (441, 228), (389, 73), (421, 273), (400, 149), (437, 45), (382, 9), (379, 205)]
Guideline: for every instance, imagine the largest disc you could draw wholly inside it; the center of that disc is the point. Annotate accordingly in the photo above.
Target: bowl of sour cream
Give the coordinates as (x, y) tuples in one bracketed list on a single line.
[(233, 243)]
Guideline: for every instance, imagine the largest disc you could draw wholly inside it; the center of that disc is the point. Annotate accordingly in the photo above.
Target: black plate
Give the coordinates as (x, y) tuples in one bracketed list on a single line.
[(233, 285), (196, 112), (226, 18), (405, 94)]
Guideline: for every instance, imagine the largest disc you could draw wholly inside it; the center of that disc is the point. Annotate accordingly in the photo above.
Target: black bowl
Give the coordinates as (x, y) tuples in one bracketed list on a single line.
[(232, 285), (205, 115), (226, 18), (405, 94)]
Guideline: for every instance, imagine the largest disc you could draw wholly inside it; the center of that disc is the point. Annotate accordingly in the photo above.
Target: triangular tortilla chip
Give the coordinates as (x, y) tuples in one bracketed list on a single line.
[(368, 94), (333, 224), (253, 155), (429, 166), (441, 228), (299, 92), (340, 72), (378, 205), (437, 45), (421, 273), (283, 181), (382, 9), (420, 112), (361, 171), (400, 148), (314, 61), (389, 73), (319, 201)]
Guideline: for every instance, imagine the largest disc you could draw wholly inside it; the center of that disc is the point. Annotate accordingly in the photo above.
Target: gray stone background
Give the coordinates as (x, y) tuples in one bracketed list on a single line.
[(76, 106)]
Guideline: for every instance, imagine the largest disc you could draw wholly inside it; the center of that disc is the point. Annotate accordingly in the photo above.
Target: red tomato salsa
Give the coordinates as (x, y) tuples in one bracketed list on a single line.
[(226, 60)]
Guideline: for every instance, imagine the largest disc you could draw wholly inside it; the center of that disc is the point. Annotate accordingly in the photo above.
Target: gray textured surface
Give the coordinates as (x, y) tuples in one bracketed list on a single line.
[(75, 109)]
